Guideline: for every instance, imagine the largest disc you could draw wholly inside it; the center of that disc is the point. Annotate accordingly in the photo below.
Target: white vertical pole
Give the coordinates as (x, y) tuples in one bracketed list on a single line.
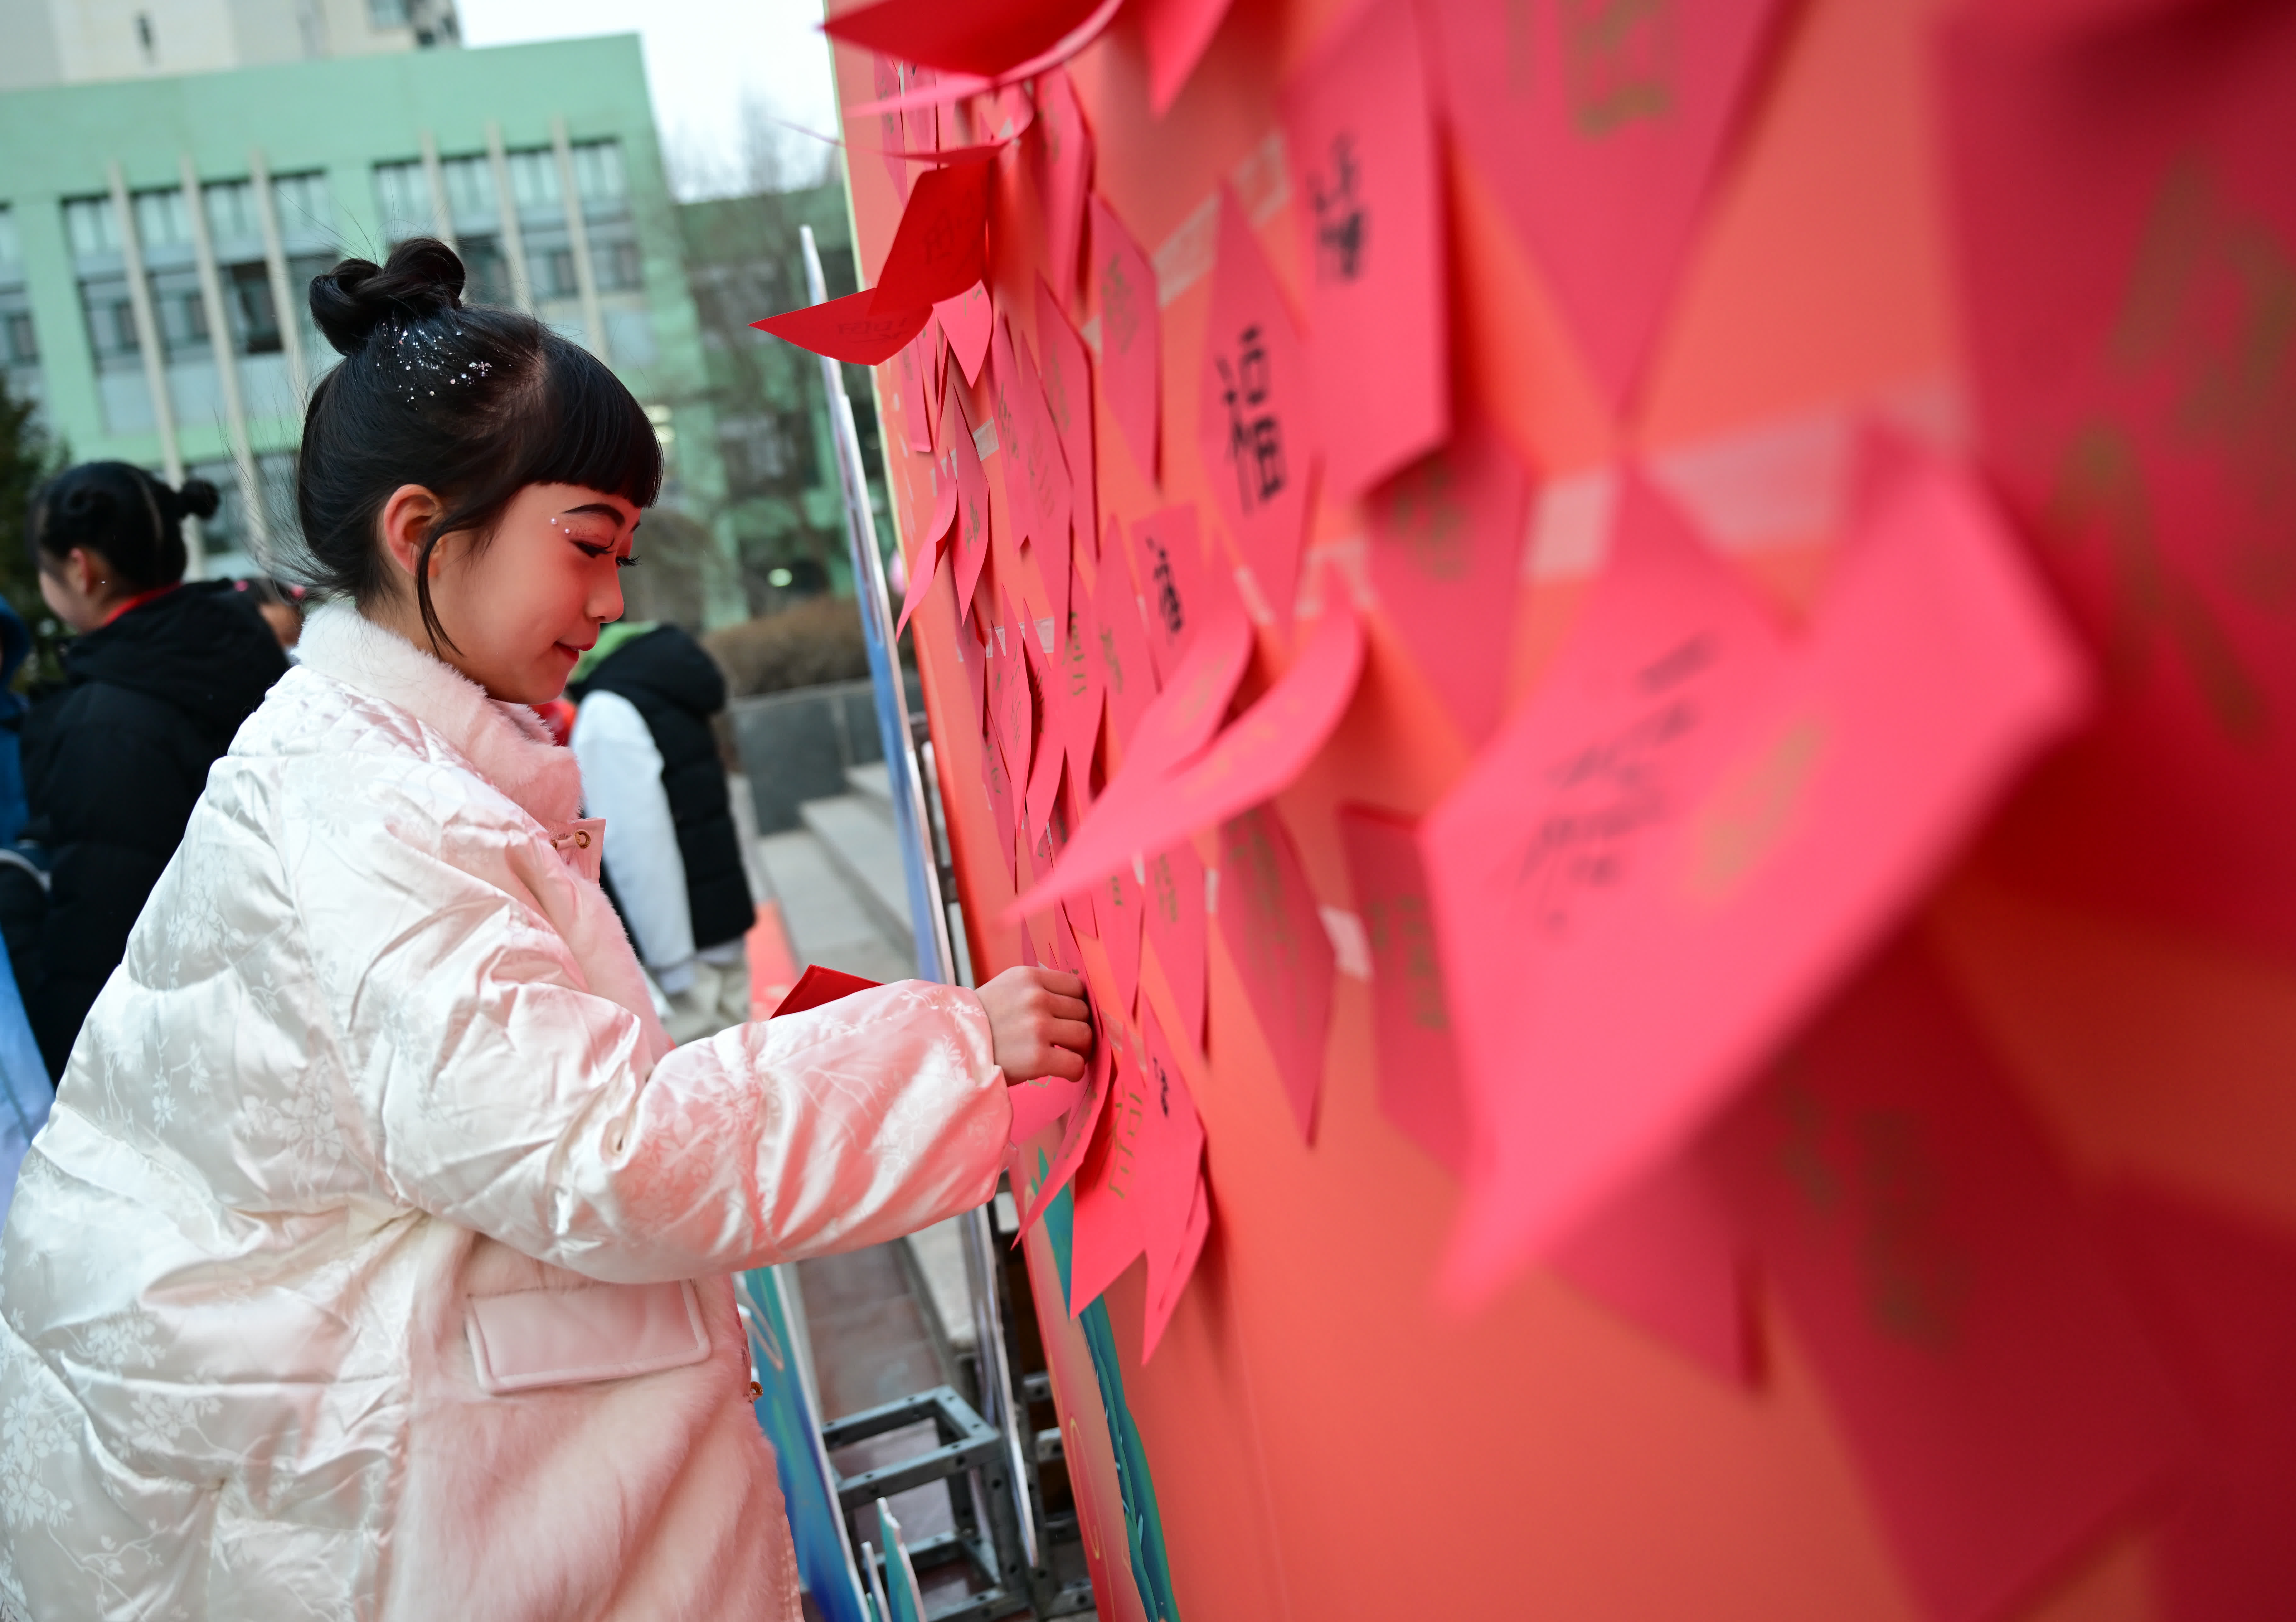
[(577, 232), (227, 364), (443, 215), (513, 238), (275, 262), (147, 340)]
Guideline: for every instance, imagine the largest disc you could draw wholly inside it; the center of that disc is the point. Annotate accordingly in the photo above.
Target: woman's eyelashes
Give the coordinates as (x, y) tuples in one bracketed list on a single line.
[(599, 549)]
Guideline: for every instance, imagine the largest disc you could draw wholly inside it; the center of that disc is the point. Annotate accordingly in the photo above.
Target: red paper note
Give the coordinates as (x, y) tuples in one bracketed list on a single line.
[(886, 77), (1601, 127), (2219, 1295), (1012, 712), (1108, 1232), (1181, 1269), (1131, 334), (1667, 858), (2003, 1405), (962, 466), (1185, 590), (1061, 159), (913, 369), (1004, 802), (1157, 800), (2127, 223), (1253, 412), (850, 328), (1038, 1102), (1172, 1155), (1035, 475), (1419, 1090), (1044, 790), (1361, 140), (965, 321), (974, 658), (1182, 717), (1275, 938), (924, 560), (1078, 677), (1176, 34), (1663, 1254), (987, 37), (940, 248), (1124, 673), (1083, 1122), (1446, 559), (1067, 379), (1117, 906), (1176, 927)]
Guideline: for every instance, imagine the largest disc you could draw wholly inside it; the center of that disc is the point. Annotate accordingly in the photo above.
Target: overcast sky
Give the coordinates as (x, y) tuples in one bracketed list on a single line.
[(719, 71)]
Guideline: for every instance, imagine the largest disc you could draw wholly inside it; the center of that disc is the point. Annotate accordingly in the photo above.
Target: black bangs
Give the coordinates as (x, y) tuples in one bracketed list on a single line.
[(589, 429), (472, 403)]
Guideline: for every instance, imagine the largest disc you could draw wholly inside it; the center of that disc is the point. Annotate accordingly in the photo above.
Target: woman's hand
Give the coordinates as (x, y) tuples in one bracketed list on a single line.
[(1038, 1023)]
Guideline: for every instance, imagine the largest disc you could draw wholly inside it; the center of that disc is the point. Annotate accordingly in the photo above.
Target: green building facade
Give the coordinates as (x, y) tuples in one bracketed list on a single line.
[(157, 238)]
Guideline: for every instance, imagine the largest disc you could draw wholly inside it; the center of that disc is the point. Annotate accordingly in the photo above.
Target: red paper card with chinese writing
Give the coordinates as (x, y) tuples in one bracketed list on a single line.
[(1012, 711), (1118, 906), (1419, 1089), (1127, 674), (1275, 938), (1600, 126), (1185, 588), (1175, 928), (1079, 679), (1110, 1233), (1066, 376), (1059, 158), (1986, 1368), (913, 369), (1253, 415), (2127, 223), (856, 328), (1172, 1154), (1035, 476), (1361, 140), (1131, 335), (1446, 558), (2218, 1293), (1664, 1254), (1668, 857)]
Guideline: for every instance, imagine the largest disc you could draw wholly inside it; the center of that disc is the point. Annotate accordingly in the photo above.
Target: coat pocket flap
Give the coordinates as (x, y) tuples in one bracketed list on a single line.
[(568, 1337)]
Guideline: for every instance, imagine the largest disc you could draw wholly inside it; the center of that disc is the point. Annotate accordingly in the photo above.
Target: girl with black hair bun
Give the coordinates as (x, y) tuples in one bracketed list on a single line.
[(376, 1258), (159, 677)]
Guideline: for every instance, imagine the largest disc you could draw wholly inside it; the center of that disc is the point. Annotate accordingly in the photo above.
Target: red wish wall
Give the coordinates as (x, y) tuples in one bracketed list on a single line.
[(1643, 647)]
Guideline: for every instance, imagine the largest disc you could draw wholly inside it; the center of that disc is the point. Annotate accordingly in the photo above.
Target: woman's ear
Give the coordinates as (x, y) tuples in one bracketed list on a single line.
[(86, 573), (406, 518)]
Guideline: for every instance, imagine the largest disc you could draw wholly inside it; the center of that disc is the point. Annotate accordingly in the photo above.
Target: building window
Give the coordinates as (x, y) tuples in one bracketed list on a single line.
[(231, 212), (598, 174), (20, 338), (387, 14), (619, 266), (302, 205), (488, 271), (471, 188), (11, 251), (534, 178), (403, 192), (91, 227), (161, 218), (561, 283), (254, 316)]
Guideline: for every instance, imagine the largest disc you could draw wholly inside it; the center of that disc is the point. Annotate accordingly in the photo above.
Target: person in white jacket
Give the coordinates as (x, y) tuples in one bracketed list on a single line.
[(372, 1261)]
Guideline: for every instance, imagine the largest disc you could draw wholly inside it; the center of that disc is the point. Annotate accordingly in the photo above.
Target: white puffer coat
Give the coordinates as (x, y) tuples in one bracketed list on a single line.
[(347, 1279)]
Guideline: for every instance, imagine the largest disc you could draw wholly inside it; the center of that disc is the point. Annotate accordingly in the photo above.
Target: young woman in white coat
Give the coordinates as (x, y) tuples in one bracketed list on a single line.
[(373, 1262)]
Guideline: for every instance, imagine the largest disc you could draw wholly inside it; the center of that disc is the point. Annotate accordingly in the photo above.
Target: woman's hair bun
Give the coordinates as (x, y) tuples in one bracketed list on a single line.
[(197, 499), (423, 277)]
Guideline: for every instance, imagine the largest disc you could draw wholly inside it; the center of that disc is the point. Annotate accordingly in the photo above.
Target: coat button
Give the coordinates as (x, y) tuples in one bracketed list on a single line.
[(582, 838)]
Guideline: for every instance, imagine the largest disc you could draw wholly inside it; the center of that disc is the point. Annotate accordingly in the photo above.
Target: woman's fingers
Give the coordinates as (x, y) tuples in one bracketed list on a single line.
[(1072, 1034)]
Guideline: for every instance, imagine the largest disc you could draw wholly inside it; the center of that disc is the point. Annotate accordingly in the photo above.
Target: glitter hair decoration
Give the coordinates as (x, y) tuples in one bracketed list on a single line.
[(426, 362)]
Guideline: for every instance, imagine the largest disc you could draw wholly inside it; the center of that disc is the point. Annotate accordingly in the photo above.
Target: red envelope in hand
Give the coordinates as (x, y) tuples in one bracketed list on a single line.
[(2126, 225), (1253, 416), (1361, 140), (1668, 856), (1601, 128), (817, 986), (1131, 334), (1446, 557), (2003, 1407), (1269, 918)]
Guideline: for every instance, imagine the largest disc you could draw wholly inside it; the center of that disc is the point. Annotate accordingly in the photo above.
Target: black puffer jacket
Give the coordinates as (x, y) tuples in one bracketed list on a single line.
[(112, 765), (676, 686)]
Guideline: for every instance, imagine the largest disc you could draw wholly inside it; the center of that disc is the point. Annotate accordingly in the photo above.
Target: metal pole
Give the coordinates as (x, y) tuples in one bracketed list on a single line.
[(928, 917)]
